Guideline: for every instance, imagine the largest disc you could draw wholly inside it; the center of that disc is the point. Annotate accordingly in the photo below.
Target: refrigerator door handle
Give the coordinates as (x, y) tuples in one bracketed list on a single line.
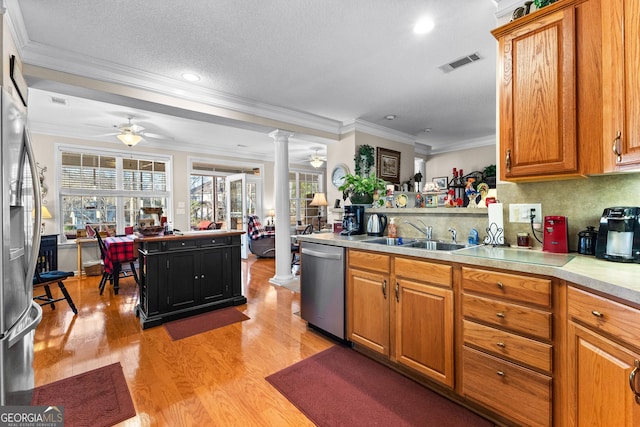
[(37, 217), (33, 323)]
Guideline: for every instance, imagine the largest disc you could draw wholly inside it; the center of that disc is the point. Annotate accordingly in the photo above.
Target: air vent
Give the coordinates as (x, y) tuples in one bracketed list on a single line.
[(460, 62), (59, 101)]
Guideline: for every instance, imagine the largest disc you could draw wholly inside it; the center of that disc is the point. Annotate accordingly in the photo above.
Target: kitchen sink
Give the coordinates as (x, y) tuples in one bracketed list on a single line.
[(432, 245)]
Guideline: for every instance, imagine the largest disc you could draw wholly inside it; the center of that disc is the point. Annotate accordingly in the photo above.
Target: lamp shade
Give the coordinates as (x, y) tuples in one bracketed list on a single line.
[(129, 138), (318, 200), (45, 213), (272, 212)]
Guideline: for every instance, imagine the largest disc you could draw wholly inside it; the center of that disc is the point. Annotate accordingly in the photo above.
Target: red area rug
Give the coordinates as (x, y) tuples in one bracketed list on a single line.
[(98, 398), (183, 328), (341, 387)]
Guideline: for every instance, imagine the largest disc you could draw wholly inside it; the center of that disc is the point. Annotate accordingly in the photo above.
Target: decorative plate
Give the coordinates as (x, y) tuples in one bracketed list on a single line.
[(401, 200)]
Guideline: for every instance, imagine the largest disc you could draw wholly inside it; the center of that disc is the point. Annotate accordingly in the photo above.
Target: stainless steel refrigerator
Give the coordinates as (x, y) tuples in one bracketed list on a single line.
[(20, 215)]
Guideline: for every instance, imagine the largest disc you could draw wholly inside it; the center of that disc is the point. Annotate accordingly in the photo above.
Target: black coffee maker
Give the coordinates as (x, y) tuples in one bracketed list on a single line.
[(353, 220), (619, 235)]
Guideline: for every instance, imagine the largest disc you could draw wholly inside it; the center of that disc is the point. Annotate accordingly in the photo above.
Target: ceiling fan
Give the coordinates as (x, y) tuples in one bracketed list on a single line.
[(131, 134), (316, 160)]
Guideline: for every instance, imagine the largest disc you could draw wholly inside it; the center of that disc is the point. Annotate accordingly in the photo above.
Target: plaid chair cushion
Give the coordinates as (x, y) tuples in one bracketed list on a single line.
[(256, 230)]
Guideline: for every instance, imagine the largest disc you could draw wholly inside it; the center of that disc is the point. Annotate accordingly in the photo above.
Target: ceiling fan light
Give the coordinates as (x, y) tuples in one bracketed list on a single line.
[(129, 139), (316, 162)]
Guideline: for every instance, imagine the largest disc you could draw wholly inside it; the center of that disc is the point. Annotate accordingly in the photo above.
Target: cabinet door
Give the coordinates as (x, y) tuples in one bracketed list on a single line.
[(599, 391), (213, 283), (184, 279), (424, 329), (621, 83), (537, 97), (369, 295)]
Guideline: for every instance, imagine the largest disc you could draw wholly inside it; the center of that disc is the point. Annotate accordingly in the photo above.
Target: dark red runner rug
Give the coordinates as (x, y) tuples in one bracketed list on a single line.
[(341, 387), (183, 328), (98, 398)]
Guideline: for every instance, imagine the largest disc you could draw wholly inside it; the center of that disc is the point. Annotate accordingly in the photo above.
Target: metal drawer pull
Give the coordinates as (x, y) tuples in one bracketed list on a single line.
[(500, 314), (507, 161), (397, 292), (501, 344), (632, 380), (500, 285), (597, 313), (501, 373), (384, 289)]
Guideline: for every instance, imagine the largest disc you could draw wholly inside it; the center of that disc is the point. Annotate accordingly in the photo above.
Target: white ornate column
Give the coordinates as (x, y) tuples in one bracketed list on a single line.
[(281, 185)]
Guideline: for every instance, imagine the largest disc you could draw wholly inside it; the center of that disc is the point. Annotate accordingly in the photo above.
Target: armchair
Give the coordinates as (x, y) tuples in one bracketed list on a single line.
[(262, 243)]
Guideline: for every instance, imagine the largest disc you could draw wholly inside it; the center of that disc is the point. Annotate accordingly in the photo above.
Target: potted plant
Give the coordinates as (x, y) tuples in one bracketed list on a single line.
[(489, 175), (360, 189)]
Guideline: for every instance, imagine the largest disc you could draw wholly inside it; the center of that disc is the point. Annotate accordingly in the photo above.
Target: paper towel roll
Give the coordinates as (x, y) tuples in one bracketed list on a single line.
[(496, 224)]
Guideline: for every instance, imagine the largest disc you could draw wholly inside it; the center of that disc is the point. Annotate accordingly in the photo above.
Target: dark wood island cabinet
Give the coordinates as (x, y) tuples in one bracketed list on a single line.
[(184, 275)]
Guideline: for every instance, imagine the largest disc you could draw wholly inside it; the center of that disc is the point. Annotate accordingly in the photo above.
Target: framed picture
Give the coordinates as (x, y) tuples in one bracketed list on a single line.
[(388, 165), (441, 182), (441, 199)]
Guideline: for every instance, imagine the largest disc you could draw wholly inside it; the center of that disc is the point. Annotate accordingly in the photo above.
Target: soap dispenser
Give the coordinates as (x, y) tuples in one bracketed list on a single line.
[(393, 231)]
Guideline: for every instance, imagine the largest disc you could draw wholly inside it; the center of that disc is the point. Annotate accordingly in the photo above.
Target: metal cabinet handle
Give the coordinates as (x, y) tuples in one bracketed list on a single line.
[(384, 289), (501, 373), (500, 314), (397, 292), (195, 277), (500, 285), (501, 344), (597, 313), (202, 276), (616, 149), (632, 380), (507, 161)]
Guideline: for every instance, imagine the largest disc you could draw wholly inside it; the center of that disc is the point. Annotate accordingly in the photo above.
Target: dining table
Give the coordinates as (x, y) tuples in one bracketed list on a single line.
[(120, 249)]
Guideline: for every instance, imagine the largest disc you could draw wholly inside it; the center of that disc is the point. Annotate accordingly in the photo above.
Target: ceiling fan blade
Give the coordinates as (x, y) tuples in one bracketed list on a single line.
[(152, 135), (136, 128), (107, 134)]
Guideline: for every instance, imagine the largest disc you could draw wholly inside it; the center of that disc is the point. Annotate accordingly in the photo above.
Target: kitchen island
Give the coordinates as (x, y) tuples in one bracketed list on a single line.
[(186, 274), (491, 328)]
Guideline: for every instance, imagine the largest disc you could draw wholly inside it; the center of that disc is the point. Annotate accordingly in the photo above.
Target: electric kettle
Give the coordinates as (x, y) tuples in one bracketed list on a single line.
[(376, 225)]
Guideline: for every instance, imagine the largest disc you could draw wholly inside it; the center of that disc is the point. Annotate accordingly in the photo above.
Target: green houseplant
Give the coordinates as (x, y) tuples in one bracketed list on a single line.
[(360, 189)]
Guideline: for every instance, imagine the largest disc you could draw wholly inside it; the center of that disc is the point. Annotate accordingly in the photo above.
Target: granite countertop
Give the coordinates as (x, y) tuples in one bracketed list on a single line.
[(619, 280)]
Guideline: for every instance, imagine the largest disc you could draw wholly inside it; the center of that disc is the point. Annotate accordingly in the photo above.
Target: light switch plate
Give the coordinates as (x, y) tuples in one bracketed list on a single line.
[(522, 212)]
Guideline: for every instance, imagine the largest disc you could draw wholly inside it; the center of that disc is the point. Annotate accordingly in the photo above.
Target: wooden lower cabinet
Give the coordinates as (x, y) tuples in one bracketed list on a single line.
[(402, 308), (603, 340)]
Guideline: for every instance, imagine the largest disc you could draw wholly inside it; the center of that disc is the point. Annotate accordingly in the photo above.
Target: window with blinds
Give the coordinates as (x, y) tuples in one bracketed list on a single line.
[(106, 187)]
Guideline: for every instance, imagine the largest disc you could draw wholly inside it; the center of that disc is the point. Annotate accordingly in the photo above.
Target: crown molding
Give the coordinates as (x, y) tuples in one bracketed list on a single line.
[(464, 145), (376, 130)]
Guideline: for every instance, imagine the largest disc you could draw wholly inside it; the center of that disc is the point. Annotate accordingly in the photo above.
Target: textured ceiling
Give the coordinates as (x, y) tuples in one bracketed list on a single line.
[(339, 61)]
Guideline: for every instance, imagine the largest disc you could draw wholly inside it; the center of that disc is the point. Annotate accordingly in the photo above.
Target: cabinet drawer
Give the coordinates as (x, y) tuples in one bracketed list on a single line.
[(424, 271), (373, 261), (519, 393), (529, 290), (510, 346), (214, 241), (618, 320), (517, 318), (173, 245)]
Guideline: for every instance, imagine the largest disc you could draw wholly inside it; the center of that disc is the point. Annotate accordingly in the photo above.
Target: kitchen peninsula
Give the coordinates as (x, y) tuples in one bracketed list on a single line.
[(186, 274), (558, 331)]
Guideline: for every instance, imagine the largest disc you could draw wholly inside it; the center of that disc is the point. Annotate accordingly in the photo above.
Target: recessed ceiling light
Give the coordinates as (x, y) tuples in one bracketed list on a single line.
[(190, 77), (424, 25), (427, 130), (390, 117)]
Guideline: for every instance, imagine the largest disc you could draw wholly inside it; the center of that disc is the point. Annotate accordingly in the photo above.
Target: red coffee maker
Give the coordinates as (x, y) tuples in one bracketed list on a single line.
[(556, 234)]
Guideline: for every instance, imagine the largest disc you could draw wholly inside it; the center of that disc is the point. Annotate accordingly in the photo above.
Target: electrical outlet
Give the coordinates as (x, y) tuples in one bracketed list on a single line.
[(522, 212)]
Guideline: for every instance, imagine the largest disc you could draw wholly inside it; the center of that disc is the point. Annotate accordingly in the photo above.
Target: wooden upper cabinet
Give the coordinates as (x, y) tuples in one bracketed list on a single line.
[(621, 84), (550, 93), (537, 97)]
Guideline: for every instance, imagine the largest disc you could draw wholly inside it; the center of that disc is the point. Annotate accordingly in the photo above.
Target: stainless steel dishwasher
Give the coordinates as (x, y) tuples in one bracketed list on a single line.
[(322, 288)]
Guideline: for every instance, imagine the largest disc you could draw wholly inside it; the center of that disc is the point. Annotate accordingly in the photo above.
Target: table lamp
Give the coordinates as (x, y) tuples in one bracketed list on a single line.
[(319, 200), (45, 215), (272, 214)]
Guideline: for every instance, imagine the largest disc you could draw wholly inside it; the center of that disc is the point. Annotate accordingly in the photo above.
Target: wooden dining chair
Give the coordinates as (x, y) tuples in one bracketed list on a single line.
[(106, 276)]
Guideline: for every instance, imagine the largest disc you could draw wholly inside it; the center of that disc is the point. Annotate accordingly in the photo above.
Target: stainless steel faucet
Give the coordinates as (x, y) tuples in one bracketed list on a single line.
[(427, 230), (453, 234)]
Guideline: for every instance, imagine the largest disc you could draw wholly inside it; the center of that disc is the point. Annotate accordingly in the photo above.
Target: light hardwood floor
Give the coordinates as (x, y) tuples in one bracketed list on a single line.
[(212, 379)]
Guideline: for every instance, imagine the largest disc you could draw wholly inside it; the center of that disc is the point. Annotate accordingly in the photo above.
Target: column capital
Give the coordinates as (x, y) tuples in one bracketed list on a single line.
[(280, 134)]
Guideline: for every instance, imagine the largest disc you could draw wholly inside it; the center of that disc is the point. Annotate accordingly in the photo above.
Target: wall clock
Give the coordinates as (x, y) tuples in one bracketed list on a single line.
[(338, 175)]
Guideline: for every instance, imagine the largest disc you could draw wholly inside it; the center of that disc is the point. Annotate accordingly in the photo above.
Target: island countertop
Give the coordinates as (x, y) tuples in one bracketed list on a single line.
[(619, 280), (192, 234)]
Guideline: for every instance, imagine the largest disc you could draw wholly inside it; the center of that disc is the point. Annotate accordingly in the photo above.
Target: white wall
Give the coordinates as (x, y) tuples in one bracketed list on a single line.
[(473, 159)]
